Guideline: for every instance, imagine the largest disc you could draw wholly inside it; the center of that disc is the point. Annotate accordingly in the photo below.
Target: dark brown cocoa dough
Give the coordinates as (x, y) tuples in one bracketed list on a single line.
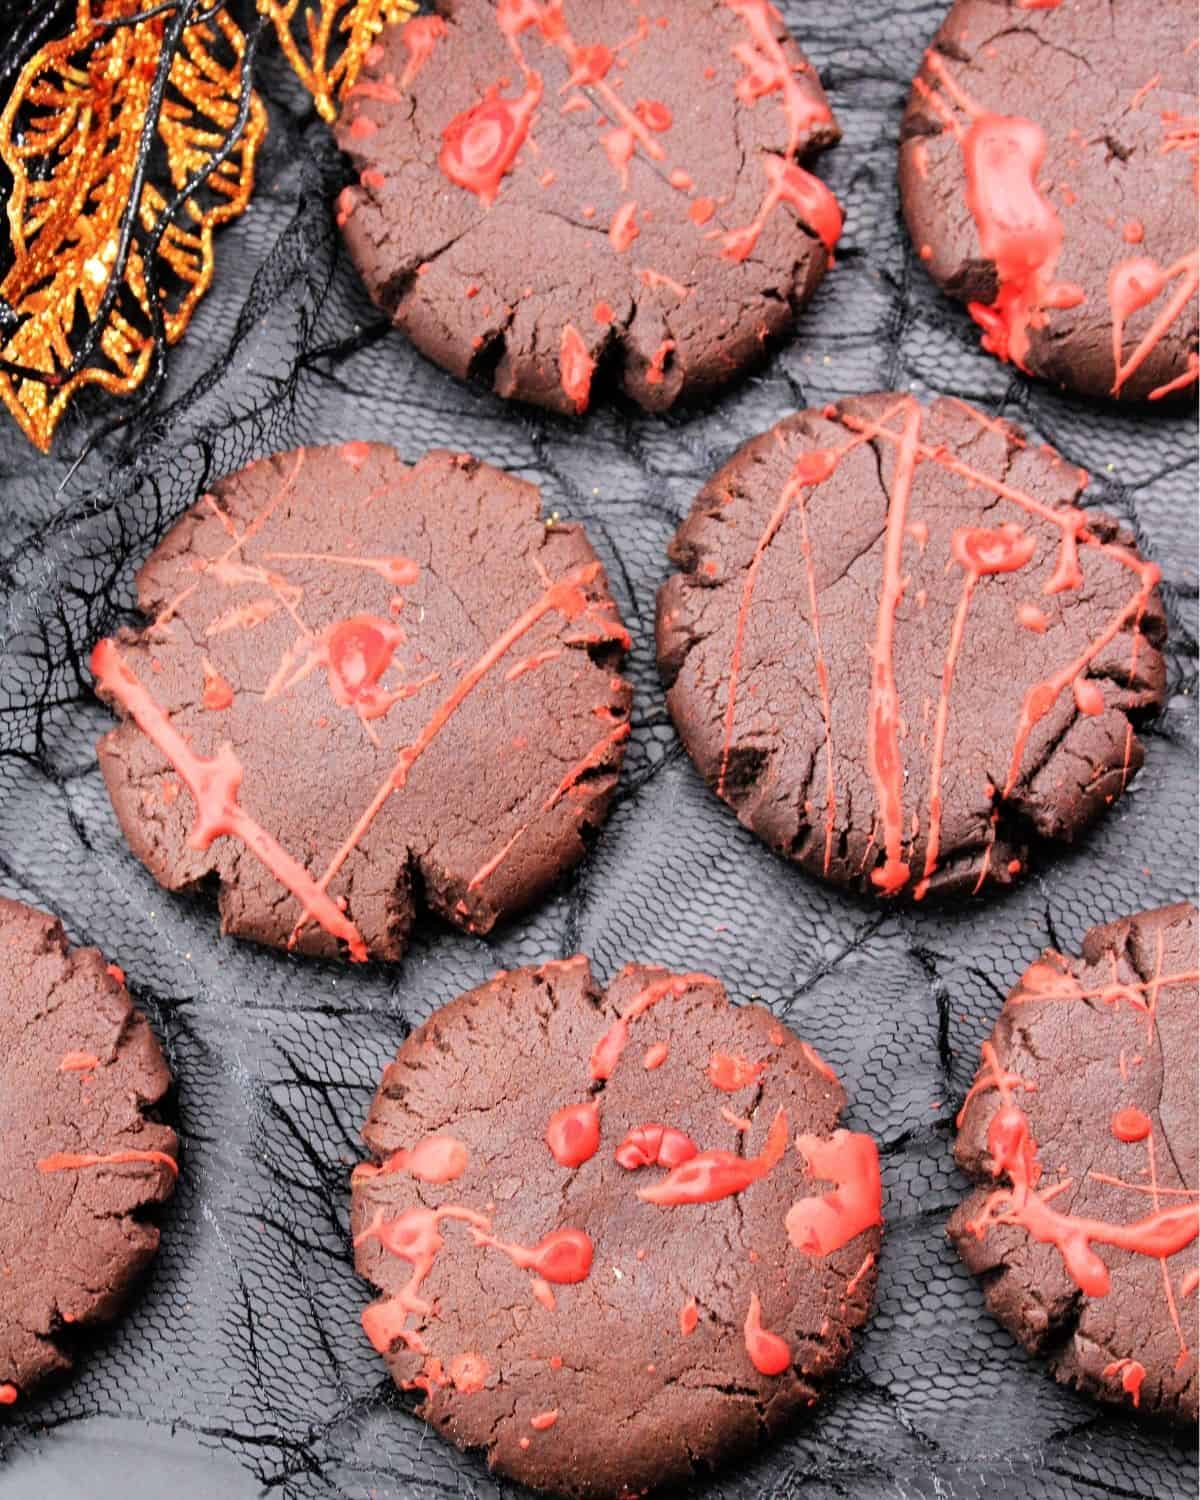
[(1093, 1059), (639, 1374), (80, 1071), (1112, 89), (1020, 659), (692, 134), (400, 675)]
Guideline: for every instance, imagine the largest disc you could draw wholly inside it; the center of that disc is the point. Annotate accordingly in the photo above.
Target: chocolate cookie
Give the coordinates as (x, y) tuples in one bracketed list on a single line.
[(901, 652), (1081, 1130), (1048, 173), (365, 685), (556, 195), (617, 1233), (80, 1162)]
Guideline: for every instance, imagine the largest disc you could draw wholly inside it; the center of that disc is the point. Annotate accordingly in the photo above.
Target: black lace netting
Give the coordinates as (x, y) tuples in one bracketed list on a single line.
[(242, 1367)]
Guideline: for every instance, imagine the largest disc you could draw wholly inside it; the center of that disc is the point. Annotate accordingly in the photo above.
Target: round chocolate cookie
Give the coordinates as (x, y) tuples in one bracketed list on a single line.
[(555, 195), (80, 1162), (365, 685), (1081, 1131), (1048, 174), (901, 652), (617, 1233)]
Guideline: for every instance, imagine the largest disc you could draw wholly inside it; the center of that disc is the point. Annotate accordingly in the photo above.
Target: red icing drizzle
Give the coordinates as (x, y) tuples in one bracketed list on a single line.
[(214, 785), (1018, 228), (436, 1158), (1134, 284), (573, 1134), (68, 1161), (731, 1072), (769, 1354), (419, 36), (607, 1051), (821, 1225), (624, 229), (575, 367), (718, 1174), (655, 1146)]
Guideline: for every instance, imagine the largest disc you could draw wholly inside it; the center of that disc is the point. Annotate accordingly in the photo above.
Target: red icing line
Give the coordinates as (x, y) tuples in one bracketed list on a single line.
[(78, 1062), (1019, 231), (821, 1225), (436, 1158), (411, 1236), (573, 1134), (590, 761), (730, 1072), (419, 37), (883, 739), (1014, 1154), (818, 1062), (1132, 1373), (398, 571), (1131, 1125), (480, 145), (575, 367), (655, 1146), (1189, 377), (1189, 1283), (769, 1354), (815, 206), (1134, 284), (564, 1256), (980, 553), (214, 785), (67, 1161), (718, 1174), (607, 1051), (538, 659)]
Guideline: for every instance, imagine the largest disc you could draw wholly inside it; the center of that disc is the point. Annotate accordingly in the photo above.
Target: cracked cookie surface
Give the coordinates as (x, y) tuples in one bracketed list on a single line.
[(1081, 1131), (365, 686), (554, 197), (617, 1232), (1048, 173), (901, 651), (80, 1162)]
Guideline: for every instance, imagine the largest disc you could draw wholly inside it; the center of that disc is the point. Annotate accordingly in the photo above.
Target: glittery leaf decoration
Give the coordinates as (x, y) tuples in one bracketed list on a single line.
[(321, 26), (107, 265)]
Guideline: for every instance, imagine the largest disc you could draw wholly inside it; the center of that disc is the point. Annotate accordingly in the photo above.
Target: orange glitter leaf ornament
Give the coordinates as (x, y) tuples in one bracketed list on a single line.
[(107, 265), (322, 25)]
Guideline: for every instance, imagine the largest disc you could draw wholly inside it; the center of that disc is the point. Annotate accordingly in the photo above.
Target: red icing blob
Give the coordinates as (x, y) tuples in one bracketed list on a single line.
[(1132, 1373), (480, 145), (656, 1055), (575, 367), (573, 1134), (217, 694), (1030, 617), (655, 1146), (564, 1256), (718, 1174), (689, 1316), (701, 210), (8, 1393), (769, 1354), (468, 1373), (821, 1225), (1088, 697), (543, 1420), (624, 229), (730, 1071), (384, 1323), (436, 1158), (982, 552), (357, 653), (1131, 1125), (602, 312), (654, 114)]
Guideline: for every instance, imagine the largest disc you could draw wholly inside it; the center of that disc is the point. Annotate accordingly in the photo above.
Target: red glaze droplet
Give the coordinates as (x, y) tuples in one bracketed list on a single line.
[(1131, 1125), (689, 1316), (356, 454), (115, 971), (575, 368), (730, 1071), (563, 1257), (573, 1134), (821, 1225), (769, 1354), (1088, 697), (480, 145), (655, 1146), (8, 1393), (718, 1174), (68, 1161)]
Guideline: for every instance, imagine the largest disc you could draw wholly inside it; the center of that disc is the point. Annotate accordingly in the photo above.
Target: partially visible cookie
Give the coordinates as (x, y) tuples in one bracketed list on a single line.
[(1048, 173), (902, 652), (1081, 1133), (80, 1158), (365, 687), (618, 1234), (555, 195)]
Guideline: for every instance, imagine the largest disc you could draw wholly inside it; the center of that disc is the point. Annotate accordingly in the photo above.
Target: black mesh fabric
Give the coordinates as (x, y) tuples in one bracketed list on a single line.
[(242, 1366)]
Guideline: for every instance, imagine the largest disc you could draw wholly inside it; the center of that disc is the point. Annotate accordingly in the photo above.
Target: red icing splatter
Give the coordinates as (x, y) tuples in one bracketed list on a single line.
[(1134, 284), (480, 145), (655, 1146), (419, 36), (607, 1051), (821, 1225), (718, 1174), (1131, 1125), (573, 1134), (769, 1354), (729, 1071), (575, 368), (68, 1161), (815, 206)]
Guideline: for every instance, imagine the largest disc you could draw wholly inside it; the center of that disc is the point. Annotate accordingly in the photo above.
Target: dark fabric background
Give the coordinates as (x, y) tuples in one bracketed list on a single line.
[(243, 1367)]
